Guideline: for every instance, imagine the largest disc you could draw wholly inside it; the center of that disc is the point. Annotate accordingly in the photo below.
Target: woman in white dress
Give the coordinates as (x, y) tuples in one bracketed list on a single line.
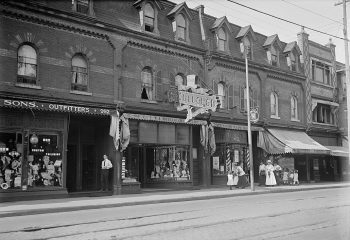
[(235, 174), (270, 176)]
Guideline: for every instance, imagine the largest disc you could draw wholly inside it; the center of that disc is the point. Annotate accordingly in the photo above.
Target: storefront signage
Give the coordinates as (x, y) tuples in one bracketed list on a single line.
[(196, 101), (254, 115), (53, 107)]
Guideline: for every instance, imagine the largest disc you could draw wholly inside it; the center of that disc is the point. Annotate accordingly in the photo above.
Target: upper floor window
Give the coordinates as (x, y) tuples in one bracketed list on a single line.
[(248, 47), (274, 104), (294, 108), (221, 95), (79, 73), (222, 39), (27, 64), (323, 114), (181, 27), (149, 17), (252, 98), (274, 56), (146, 84), (292, 62), (321, 72), (179, 80)]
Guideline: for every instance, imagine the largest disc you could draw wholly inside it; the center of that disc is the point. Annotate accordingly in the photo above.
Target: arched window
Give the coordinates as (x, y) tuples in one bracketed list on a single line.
[(274, 104), (221, 94), (179, 80), (294, 108), (222, 40), (149, 17), (79, 73), (146, 84), (27, 64), (181, 27)]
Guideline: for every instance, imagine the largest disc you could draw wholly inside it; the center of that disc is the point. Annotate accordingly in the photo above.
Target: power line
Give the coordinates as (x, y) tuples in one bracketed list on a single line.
[(285, 20), (308, 10)]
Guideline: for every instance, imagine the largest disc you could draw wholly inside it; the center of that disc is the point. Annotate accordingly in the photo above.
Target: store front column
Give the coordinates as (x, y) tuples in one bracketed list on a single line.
[(308, 177), (117, 173), (206, 169)]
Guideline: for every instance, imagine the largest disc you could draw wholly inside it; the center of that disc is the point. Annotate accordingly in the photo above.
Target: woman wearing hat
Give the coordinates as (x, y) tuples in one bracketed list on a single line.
[(270, 176)]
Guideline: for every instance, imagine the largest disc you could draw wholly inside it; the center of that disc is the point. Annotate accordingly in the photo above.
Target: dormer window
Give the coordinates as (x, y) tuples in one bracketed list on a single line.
[(293, 64), (222, 40), (83, 6), (181, 27), (292, 52), (149, 18), (247, 44), (274, 56)]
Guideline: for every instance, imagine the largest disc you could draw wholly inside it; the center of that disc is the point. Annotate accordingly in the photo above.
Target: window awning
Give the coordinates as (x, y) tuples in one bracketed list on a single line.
[(276, 141), (339, 151)]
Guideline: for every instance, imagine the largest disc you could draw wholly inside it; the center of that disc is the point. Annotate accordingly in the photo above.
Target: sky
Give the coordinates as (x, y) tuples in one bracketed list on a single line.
[(321, 15)]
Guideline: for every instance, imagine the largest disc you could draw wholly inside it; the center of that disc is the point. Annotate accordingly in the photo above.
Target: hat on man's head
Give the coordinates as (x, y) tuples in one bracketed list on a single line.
[(269, 161)]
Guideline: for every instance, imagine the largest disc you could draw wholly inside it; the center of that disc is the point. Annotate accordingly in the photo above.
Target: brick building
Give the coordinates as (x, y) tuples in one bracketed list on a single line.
[(66, 66)]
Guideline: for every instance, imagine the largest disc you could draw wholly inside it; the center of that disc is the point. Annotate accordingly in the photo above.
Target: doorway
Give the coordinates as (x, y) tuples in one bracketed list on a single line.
[(89, 168)]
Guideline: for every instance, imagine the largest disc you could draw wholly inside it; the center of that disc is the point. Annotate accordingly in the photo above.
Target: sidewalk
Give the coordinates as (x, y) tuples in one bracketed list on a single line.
[(74, 204)]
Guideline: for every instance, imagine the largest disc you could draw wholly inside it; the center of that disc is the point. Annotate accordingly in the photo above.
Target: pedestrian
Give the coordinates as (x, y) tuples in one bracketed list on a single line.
[(105, 166), (262, 175), (291, 177), (230, 179), (285, 176), (242, 180), (296, 178), (270, 176), (235, 174), (277, 171)]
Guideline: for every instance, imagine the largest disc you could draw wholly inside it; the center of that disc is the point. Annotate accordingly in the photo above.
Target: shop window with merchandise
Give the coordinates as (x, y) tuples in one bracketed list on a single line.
[(11, 151), (44, 161), (225, 158)]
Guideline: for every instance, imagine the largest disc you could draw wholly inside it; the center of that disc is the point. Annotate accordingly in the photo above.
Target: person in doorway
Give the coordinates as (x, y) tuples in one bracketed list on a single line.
[(262, 176), (270, 176), (105, 166)]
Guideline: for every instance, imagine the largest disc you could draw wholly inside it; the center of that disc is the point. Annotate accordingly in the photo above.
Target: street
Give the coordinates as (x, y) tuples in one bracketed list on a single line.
[(317, 214)]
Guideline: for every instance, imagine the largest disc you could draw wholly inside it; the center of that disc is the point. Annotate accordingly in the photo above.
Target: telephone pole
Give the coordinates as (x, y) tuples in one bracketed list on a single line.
[(347, 70)]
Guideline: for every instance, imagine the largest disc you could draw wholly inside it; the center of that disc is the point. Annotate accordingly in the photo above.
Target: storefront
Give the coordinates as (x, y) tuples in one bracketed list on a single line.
[(231, 148), (294, 150), (160, 153), (33, 148)]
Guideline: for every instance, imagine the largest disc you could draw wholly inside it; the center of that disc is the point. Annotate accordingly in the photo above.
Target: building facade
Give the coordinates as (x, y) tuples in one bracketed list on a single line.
[(67, 66)]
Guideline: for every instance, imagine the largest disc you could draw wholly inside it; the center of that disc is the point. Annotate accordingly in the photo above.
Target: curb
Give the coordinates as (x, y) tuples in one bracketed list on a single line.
[(145, 202)]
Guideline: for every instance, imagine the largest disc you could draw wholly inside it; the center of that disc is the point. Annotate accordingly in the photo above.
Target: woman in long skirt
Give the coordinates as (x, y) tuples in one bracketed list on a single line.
[(235, 175), (242, 179), (262, 174), (270, 176)]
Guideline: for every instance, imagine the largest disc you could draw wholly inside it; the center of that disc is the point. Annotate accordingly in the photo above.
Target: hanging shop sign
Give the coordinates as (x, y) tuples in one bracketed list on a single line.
[(254, 115), (196, 101), (53, 107)]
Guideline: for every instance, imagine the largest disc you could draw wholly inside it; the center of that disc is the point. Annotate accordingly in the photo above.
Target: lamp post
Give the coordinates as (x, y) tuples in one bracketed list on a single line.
[(245, 50)]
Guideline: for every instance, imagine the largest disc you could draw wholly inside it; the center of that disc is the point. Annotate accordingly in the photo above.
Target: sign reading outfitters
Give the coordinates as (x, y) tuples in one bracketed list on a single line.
[(195, 100), (52, 107)]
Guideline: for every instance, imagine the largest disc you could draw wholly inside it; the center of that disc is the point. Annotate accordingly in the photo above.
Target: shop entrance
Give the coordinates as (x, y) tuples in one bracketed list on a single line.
[(89, 168)]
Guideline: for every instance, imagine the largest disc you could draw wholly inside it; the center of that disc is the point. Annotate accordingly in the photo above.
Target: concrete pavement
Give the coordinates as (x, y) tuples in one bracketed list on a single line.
[(74, 204)]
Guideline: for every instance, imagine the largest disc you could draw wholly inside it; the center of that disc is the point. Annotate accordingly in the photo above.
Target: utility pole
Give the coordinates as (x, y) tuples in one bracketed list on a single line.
[(347, 70)]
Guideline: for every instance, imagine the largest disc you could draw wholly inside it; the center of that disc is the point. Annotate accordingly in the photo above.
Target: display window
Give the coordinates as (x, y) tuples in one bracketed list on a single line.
[(169, 163), (11, 151), (44, 161)]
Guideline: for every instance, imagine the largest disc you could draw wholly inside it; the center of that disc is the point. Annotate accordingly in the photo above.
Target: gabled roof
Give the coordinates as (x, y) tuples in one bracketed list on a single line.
[(178, 8), (157, 3), (271, 40), (245, 31), (290, 46), (219, 22)]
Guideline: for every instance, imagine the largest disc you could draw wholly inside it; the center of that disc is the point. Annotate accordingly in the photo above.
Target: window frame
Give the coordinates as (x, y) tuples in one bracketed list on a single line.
[(222, 96), (324, 112), (184, 28), (221, 40), (26, 78), (152, 18), (147, 87), (183, 79), (324, 68), (274, 105), (294, 108), (75, 86)]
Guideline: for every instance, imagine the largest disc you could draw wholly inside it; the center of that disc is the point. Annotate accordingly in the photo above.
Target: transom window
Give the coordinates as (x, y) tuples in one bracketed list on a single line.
[(146, 84), (181, 27), (82, 6), (274, 104), (321, 72), (221, 95), (26, 64), (149, 18), (79, 73), (294, 108), (323, 114), (221, 39)]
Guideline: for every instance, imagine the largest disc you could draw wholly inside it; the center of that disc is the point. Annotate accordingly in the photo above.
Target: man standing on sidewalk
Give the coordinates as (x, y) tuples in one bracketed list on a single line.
[(106, 165)]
